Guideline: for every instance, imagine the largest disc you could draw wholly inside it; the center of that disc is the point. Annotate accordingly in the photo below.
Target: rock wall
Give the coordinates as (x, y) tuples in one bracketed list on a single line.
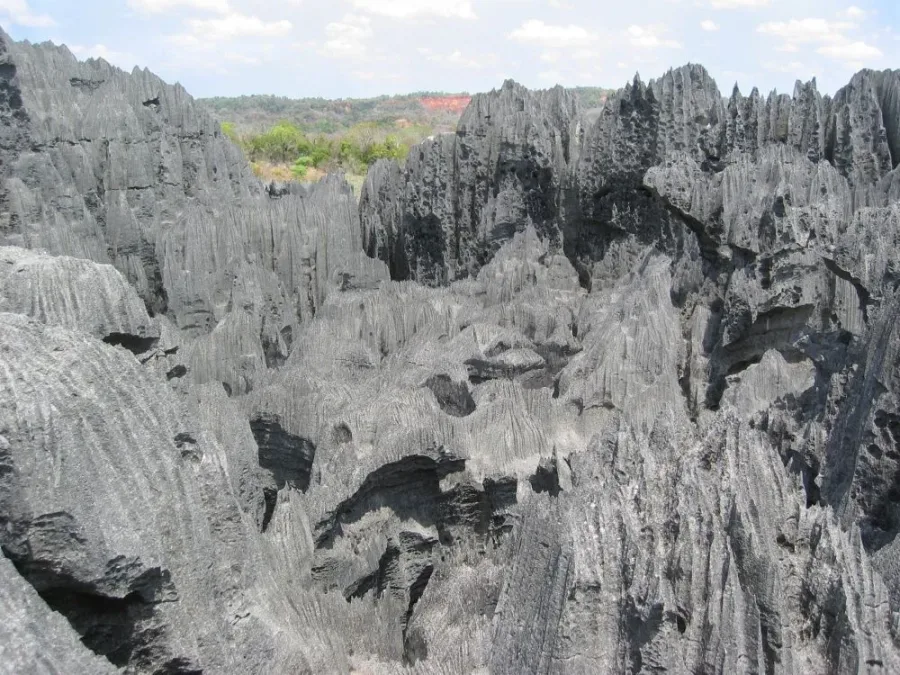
[(124, 169), (742, 298), (462, 195), (609, 393)]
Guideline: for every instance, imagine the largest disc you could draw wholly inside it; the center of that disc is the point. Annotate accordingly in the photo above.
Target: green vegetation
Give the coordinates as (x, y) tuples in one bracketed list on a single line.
[(591, 97), (303, 139), (229, 130), (307, 156)]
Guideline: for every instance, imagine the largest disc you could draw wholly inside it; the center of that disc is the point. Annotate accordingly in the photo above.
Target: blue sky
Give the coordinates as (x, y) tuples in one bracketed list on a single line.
[(352, 48)]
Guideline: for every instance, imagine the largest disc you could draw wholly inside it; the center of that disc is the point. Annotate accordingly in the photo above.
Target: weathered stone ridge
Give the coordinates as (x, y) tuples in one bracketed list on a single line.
[(566, 393), (462, 195), (102, 180)]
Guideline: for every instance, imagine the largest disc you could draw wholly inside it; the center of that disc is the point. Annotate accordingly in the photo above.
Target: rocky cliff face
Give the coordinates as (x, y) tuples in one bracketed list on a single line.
[(609, 393), (462, 195), (741, 298)]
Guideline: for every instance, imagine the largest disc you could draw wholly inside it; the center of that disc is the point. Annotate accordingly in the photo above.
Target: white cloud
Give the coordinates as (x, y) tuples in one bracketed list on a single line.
[(347, 38), (585, 54), (853, 13), (853, 53), (418, 9), (241, 59), (457, 59), (806, 31), (19, 13), (232, 26), (709, 25), (375, 75), (537, 32), (793, 68), (736, 74), (829, 38), (553, 76), (739, 4), (210, 45), (124, 60), (161, 6), (650, 37)]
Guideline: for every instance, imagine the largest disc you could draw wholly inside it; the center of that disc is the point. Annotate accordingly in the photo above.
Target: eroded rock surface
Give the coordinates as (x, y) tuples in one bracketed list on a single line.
[(566, 394)]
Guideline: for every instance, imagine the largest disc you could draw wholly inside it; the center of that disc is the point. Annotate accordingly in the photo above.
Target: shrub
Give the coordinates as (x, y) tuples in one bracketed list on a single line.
[(305, 157), (231, 133)]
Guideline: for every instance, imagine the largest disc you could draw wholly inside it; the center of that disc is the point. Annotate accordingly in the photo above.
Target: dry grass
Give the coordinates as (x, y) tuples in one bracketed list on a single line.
[(356, 180), (268, 171)]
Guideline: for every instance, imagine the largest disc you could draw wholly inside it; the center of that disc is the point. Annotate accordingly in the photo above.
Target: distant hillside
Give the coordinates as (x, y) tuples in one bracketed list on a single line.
[(251, 114), (591, 97), (304, 139), (438, 111)]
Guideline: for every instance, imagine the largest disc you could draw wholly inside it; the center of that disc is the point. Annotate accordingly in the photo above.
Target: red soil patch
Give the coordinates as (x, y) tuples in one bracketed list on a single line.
[(452, 103)]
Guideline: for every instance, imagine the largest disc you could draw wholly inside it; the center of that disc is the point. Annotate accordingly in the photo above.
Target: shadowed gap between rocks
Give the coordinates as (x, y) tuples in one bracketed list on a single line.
[(123, 628), (288, 459), (410, 487), (133, 343), (453, 398), (776, 329)]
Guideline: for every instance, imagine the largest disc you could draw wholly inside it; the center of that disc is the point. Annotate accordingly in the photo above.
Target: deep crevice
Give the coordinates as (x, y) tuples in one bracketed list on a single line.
[(546, 477), (454, 398), (861, 291), (287, 456), (178, 371), (270, 499), (136, 344), (409, 486), (124, 629), (415, 649)]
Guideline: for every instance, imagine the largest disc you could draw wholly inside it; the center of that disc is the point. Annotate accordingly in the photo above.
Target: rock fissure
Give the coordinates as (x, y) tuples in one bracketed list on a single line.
[(571, 391)]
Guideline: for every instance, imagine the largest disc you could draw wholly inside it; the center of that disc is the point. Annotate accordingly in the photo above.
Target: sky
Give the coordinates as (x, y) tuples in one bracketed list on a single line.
[(360, 48)]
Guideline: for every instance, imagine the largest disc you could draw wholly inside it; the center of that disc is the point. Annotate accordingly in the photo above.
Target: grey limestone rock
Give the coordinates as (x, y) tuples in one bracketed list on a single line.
[(100, 181), (462, 195), (573, 393), (740, 287), (75, 293), (34, 638)]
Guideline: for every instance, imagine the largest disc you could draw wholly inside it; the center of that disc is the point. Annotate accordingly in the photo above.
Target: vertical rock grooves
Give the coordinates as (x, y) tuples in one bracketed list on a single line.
[(567, 393)]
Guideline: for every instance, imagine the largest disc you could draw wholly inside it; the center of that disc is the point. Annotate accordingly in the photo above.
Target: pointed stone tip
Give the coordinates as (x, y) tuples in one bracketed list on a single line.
[(64, 48)]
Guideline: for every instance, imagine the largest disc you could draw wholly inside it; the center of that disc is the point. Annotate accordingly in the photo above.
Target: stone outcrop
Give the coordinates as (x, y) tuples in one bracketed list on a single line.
[(75, 293), (566, 393), (462, 195), (104, 179), (735, 253)]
